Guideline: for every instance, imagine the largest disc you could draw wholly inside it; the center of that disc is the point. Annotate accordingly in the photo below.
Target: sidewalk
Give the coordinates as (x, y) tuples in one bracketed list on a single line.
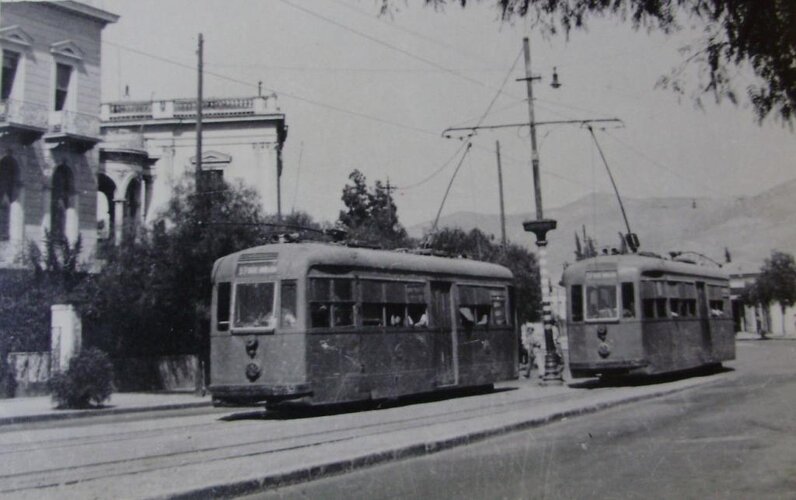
[(769, 336), (41, 408)]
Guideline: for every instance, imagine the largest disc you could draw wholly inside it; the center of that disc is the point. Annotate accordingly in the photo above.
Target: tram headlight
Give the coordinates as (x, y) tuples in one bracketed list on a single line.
[(253, 372)]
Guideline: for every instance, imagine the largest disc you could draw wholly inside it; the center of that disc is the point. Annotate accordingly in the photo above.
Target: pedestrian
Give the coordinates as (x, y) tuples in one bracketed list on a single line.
[(537, 350)]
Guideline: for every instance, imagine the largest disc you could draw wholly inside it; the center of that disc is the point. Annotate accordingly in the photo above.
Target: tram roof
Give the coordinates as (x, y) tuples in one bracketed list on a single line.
[(308, 255), (643, 263)]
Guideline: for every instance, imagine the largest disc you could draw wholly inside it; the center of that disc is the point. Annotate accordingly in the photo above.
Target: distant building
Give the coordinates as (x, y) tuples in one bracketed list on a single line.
[(72, 166), (49, 123), (756, 318), (149, 145)]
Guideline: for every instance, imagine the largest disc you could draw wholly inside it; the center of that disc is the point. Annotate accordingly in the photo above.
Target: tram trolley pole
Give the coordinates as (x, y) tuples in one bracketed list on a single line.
[(540, 227)]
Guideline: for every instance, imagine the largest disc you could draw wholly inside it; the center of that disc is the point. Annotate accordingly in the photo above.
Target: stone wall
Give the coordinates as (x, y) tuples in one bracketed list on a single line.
[(28, 373)]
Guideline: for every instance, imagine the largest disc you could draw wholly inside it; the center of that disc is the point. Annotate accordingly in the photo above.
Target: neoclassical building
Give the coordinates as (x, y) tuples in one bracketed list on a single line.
[(148, 146), (49, 123), (71, 166)]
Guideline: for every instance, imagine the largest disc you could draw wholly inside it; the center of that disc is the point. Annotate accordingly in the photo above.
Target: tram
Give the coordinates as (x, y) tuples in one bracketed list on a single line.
[(642, 314), (315, 323)]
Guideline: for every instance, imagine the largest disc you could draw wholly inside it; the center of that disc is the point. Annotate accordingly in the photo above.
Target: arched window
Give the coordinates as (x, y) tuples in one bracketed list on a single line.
[(60, 201), (132, 205), (9, 191), (105, 209)]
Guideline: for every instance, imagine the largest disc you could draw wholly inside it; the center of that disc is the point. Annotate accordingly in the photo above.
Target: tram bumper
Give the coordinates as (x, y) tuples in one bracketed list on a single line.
[(236, 394)]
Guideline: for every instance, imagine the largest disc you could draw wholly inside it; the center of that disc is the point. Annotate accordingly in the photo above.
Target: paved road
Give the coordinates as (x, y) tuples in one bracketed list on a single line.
[(168, 453), (732, 439)]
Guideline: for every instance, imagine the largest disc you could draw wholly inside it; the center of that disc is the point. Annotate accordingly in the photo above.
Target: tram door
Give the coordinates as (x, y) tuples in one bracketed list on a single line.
[(704, 318), (444, 328)]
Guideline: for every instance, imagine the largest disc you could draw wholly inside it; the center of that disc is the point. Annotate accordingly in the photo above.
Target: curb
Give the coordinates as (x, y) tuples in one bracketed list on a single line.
[(267, 482), (49, 417)]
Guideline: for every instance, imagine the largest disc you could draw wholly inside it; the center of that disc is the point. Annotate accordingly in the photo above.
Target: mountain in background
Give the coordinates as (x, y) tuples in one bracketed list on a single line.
[(749, 227)]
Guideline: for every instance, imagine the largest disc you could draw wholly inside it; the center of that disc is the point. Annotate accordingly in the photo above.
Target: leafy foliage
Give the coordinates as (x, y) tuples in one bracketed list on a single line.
[(371, 214), (777, 280), (53, 276), (153, 295), (736, 33), (89, 379), (476, 245)]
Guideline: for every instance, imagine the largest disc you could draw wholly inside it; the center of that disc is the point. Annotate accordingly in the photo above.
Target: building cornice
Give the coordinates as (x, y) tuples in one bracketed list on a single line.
[(86, 10)]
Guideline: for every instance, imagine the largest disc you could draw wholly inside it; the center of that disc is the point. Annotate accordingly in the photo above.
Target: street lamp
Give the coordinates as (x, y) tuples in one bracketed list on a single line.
[(540, 227)]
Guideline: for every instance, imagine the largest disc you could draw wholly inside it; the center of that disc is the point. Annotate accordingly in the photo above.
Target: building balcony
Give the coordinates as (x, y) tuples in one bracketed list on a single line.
[(185, 109), (70, 127), (26, 120)]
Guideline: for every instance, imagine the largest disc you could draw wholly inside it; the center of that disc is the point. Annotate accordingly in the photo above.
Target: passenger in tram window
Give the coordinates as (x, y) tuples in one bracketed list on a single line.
[(416, 315), (288, 318), (395, 320), (484, 319), (320, 315), (466, 316)]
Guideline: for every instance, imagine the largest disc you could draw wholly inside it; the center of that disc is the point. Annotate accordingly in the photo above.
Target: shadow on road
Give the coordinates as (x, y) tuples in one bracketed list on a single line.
[(641, 380), (288, 411)]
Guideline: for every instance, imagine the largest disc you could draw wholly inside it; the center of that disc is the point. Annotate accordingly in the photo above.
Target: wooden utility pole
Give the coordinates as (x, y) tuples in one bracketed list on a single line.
[(389, 202), (502, 209), (199, 113)]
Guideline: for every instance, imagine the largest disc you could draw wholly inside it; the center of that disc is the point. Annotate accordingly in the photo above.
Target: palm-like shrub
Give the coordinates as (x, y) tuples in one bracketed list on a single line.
[(87, 381)]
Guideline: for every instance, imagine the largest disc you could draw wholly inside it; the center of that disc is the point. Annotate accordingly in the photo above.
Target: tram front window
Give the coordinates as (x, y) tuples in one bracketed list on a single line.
[(601, 302), (254, 306)]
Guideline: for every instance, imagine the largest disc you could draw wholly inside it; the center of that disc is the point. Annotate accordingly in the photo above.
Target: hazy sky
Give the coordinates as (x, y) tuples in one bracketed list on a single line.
[(375, 93)]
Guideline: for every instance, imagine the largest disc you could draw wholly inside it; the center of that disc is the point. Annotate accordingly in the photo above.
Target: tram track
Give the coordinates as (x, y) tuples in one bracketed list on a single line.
[(299, 438)]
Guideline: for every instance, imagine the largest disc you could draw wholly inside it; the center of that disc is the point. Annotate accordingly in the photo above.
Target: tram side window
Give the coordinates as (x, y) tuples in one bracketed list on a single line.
[(416, 309), (331, 302), (576, 299), (482, 306), (254, 306), (716, 300), (648, 308), (223, 296), (628, 300), (393, 304), (601, 301), (287, 312), (682, 299)]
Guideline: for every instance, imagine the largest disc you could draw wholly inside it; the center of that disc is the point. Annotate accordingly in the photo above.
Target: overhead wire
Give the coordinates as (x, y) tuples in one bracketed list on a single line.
[(385, 44), (659, 164), (278, 91), (422, 36), (317, 103), (434, 173)]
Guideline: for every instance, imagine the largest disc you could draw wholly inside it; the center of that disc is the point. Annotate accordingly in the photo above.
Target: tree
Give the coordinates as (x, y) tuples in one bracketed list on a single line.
[(777, 282), (153, 295), (476, 245), (51, 276), (736, 33), (371, 214)]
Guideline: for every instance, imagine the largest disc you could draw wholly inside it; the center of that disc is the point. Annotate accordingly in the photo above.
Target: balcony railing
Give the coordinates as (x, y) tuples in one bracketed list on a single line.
[(71, 123), (22, 114), (186, 108), (127, 140)]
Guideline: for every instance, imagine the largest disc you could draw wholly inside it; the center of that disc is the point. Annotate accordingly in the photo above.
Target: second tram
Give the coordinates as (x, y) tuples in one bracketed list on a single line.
[(318, 323), (642, 314)]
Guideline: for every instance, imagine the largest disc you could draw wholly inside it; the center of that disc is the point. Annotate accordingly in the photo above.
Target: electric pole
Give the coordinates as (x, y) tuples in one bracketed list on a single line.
[(502, 209), (199, 115), (540, 228), (389, 203)]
